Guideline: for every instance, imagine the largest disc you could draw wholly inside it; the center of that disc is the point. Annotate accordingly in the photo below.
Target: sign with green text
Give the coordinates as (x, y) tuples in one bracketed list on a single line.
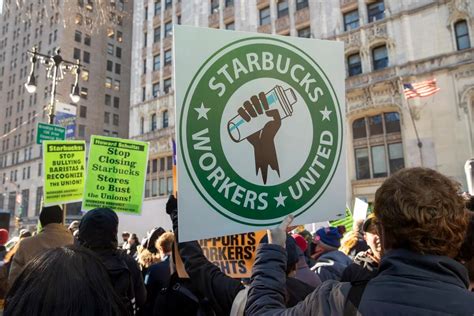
[(64, 170), (115, 174), (260, 130), (49, 132)]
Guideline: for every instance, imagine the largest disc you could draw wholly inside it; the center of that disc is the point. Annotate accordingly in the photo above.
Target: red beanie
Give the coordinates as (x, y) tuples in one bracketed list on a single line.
[(300, 241), (3, 236)]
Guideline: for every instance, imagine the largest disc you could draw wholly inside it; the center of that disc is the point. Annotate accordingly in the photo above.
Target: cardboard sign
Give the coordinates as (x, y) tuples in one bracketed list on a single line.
[(234, 254), (260, 130), (64, 171), (49, 132), (116, 174)]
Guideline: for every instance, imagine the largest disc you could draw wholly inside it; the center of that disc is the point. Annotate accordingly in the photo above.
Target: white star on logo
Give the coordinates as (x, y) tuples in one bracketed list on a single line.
[(326, 113), (202, 111), (280, 199)]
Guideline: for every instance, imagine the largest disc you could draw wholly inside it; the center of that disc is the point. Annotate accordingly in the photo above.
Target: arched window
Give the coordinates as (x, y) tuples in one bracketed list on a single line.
[(153, 121), (165, 119), (142, 125), (461, 32), (378, 149)]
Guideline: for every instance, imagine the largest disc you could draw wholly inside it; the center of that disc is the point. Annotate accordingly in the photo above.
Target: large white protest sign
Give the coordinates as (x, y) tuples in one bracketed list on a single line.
[(260, 130), (360, 209)]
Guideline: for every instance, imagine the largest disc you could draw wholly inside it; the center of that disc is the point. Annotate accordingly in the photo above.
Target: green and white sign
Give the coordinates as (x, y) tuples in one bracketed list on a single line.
[(116, 174), (49, 132), (260, 131), (64, 171)]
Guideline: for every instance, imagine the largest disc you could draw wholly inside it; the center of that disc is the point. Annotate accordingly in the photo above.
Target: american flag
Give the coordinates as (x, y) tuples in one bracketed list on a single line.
[(420, 89)]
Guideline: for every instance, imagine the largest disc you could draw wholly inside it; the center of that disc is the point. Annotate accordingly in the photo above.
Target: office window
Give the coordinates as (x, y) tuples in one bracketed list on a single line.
[(157, 7), (162, 164), (155, 165), (351, 20), (380, 57), (301, 4), (354, 64), (147, 188), (83, 111), (84, 75), (156, 90), (265, 16), (154, 187), (156, 34), (116, 85), (153, 122), (39, 200), (81, 130), (305, 32), (77, 53), (108, 82), (462, 35), (108, 100), (142, 125), (168, 57), (167, 85), (117, 68), (115, 120), (118, 52), (375, 11), (230, 26), (214, 6), (119, 37), (168, 29), (169, 181), (106, 117), (168, 3), (87, 40), (110, 65), (282, 8), (110, 49), (156, 62), (169, 163), (165, 119), (162, 186), (116, 102), (386, 153), (228, 3), (86, 57), (143, 94), (78, 36)]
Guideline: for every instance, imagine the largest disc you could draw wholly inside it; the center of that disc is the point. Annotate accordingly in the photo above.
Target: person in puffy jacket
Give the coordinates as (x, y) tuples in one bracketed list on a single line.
[(422, 222)]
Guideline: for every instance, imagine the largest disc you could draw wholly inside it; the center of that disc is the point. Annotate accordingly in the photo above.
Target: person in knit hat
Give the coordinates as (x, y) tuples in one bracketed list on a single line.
[(330, 262), (303, 273), (3, 241), (52, 235)]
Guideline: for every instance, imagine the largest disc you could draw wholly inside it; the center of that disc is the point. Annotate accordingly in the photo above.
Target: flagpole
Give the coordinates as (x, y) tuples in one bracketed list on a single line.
[(419, 144)]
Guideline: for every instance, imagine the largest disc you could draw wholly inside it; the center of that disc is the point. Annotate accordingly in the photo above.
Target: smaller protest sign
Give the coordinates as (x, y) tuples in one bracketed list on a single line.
[(64, 170), (360, 209), (49, 132), (234, 254), (116, 174)]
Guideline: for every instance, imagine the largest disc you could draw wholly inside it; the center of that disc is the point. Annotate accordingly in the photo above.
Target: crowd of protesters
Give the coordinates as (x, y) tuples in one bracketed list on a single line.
[(414, 255)]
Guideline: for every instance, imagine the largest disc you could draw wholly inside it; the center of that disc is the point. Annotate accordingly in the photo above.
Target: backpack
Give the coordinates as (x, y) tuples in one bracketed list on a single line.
[(179, 299), (121, 278)]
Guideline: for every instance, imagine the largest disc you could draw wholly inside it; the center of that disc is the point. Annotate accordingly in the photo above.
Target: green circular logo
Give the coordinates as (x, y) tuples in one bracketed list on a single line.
[(260, 131)]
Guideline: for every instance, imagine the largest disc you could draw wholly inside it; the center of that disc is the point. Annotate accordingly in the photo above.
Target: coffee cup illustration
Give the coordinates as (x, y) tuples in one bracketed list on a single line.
[(278, 99)]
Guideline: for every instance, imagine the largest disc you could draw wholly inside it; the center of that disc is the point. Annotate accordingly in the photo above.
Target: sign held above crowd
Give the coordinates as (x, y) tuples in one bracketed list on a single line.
[(260, 131)]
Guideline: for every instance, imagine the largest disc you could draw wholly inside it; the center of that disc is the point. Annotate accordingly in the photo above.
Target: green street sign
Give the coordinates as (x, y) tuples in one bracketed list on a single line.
[(49, 132)]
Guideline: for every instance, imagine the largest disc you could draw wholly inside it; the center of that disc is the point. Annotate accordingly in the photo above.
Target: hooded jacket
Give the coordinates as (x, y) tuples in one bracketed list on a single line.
[(98, 232), (331, 265), (408, 283)]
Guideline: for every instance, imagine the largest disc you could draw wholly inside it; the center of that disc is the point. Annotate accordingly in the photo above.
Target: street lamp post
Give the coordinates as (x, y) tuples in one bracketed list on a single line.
[(56, 66)]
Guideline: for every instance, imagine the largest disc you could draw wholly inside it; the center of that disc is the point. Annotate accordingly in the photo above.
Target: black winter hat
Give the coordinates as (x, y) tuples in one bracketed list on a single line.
[(291, 251), (98, 229), (51, 215)]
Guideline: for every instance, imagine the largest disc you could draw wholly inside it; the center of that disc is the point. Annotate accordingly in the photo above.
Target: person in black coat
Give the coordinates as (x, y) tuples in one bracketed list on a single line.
[(220, 289)]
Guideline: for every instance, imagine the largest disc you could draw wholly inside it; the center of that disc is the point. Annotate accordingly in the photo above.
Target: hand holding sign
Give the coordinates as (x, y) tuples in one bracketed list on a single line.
[(277, 236)]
